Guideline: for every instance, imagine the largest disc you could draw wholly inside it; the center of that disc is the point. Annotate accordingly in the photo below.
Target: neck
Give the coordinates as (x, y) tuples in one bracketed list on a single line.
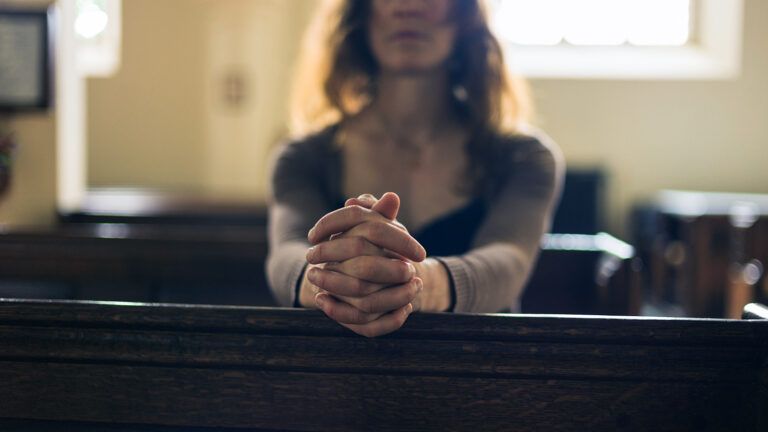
[(417, 105)]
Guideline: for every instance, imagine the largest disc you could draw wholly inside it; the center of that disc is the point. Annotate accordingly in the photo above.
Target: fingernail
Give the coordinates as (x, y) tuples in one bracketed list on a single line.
[(419, 284), (319, 300), (409, 309), (311, 233), (310, 253), (311, 274), (411, 269)]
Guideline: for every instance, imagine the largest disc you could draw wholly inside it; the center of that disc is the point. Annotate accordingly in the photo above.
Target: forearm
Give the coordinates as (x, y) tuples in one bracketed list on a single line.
[(491, 278), (285, 265)]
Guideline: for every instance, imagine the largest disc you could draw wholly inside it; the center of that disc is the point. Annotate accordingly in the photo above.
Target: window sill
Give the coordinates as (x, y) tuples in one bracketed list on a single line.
[(672, 63)]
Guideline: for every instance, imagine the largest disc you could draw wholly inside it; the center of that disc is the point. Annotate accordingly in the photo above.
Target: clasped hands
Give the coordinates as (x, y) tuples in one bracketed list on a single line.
[(362, 269)]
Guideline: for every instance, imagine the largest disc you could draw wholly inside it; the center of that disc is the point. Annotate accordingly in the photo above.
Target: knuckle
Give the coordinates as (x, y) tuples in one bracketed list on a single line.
[(361, 317), (320, 225), (411, 291), (367, 305), (406, 242), (362, 288), (316, 277), (329, 310), (352, 316), (379, 229), (356, 211), (318, 251), (364, 267), (404, 270), (370, 230), (359, 246)]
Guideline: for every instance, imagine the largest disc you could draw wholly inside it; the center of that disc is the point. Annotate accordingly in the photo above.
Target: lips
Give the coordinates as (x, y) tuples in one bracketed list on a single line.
[(408, 35)]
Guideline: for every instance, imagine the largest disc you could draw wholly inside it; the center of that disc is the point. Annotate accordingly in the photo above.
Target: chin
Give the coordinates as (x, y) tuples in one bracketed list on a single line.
[(412, 67)]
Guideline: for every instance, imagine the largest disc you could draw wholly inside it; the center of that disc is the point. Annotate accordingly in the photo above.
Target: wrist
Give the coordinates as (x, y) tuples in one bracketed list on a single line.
[(307, 291), (436, 295)]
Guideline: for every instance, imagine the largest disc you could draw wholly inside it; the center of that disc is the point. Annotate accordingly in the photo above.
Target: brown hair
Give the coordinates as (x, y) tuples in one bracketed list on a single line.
[(336, 76)]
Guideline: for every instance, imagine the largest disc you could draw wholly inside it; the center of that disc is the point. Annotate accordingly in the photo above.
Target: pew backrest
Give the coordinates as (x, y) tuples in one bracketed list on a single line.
[(68, 365)]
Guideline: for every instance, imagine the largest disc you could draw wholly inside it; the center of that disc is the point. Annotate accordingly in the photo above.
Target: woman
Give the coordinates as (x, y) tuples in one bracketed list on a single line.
[(408, 101)]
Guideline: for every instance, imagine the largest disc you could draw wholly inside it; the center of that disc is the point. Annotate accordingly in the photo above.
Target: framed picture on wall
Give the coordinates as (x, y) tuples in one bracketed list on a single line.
[(25, 60)]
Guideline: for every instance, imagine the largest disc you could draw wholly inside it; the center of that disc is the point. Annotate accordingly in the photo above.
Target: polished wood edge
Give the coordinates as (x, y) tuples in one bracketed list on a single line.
[(446, 326), (34, 425), (755, 311)]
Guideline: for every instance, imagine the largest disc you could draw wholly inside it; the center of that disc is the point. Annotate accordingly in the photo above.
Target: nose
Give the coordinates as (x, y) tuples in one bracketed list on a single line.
[(410, 9)]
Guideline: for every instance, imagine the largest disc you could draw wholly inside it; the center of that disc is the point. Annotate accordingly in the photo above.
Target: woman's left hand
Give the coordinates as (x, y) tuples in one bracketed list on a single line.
[(367, 282)]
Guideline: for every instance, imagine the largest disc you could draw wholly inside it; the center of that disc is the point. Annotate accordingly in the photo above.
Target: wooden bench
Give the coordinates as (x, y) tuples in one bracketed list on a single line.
[(705, 250), (209, 264), (150, 367)]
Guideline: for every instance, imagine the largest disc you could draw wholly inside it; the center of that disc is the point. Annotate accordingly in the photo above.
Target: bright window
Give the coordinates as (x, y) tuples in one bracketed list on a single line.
[(97, 25), (594, 22), (621, 38)]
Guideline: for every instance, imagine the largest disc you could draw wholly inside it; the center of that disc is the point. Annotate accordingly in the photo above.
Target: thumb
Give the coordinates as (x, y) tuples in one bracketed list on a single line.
[(388, 205)]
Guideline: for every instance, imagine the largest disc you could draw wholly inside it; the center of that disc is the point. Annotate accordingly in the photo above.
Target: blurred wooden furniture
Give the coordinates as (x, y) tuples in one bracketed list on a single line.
[(208, 264), (705, 251), (584, 274), (153, 246), (581, 209), (158, 207), (140, 367), (133, 262)]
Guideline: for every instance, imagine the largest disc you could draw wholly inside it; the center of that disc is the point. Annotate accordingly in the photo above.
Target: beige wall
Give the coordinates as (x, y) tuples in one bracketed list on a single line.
[(707, 135), (31, 199), (146, 124), (162, 120), (257, 41)]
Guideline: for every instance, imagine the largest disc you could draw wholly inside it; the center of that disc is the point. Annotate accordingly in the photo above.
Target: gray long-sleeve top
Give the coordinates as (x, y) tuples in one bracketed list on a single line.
[(490, 277)]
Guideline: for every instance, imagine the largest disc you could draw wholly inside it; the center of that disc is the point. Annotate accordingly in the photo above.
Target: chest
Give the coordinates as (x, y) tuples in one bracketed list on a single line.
[(428, 180)]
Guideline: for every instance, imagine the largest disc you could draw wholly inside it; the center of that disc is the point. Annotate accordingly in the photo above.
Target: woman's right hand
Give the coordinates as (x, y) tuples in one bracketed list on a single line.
[(355, 246), (360, 267)]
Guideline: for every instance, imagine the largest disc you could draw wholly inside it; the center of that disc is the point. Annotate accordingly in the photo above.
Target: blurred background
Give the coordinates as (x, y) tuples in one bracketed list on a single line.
[(143, 175)]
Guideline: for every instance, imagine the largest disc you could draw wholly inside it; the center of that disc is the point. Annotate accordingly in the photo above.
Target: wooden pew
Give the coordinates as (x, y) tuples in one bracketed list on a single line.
[(137, 262), (584, 274), (150, 367), (696, 244), (224, 264)]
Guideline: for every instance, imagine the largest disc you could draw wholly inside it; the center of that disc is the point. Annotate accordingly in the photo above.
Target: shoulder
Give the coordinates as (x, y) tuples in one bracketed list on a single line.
[(532, 159), (309, 147), (531, 145), (298, 162)]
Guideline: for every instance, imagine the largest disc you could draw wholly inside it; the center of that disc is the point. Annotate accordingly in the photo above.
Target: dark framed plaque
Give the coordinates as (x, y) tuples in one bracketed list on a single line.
[(25, 60)]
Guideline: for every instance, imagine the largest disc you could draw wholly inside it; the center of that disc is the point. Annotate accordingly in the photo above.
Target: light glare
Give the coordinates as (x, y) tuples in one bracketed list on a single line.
[(593, 22), (91, 22)]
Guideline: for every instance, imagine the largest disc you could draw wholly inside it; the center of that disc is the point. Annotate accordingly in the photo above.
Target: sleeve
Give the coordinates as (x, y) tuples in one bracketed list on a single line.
[(492, 275), (296, 201)]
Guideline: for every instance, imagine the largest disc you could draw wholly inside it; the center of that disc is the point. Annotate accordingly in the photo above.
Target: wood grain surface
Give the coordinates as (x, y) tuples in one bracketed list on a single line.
[(153, 367)]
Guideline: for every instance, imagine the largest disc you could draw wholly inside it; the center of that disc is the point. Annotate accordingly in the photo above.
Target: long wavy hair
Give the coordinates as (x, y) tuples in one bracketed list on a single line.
[(336, 78)]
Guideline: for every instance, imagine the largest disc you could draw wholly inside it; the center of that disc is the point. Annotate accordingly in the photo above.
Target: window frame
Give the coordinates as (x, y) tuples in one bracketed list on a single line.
[(713, 52)]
